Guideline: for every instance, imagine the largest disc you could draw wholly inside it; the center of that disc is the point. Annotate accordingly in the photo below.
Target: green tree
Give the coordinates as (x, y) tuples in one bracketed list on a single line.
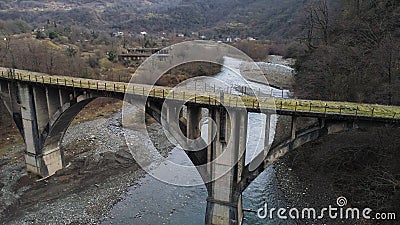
[(53, 35), (40, 34), (112, 56)]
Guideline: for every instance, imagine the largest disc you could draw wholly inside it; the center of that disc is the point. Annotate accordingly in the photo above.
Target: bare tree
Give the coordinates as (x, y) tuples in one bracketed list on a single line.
[(317, 23)]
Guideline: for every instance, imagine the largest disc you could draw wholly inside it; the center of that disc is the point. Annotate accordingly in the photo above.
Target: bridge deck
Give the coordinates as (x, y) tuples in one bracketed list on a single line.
[(311, 108)]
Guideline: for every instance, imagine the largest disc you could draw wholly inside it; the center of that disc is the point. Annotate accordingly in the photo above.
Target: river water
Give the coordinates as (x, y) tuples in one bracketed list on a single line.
[(154, 202)]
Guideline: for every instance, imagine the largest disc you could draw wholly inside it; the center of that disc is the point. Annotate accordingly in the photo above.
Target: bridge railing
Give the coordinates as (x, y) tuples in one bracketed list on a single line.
[(341, 108), (218, 97)]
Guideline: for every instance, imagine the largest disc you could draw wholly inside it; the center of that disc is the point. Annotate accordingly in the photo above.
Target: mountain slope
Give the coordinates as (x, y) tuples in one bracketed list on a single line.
[(219, 18), (259, 18)]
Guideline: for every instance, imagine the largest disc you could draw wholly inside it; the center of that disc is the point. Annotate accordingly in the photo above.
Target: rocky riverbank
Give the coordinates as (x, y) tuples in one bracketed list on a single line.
[(277, 71), (100, 170)]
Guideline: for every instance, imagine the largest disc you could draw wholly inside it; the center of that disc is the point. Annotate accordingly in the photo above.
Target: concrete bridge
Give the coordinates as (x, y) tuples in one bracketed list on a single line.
[(43, 106)]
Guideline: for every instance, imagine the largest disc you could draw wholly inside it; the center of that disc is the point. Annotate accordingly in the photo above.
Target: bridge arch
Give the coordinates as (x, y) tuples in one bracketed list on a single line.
[(54, 117), (45, 110), (300, 137)]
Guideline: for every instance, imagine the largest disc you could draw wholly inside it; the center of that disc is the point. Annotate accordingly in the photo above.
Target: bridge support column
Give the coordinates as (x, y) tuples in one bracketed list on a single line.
[(267, 131), (41, 107), (8, 94), (13, 93), (53, 103), (64, 99), (293, 127), (172, 115), (193, 122), (224, 202), (35, 117), (5, 95), (3, 87), (30, 128)]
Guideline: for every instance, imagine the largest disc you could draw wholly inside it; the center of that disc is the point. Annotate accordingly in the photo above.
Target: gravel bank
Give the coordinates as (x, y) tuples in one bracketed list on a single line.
[(276, 71), (100, 170)]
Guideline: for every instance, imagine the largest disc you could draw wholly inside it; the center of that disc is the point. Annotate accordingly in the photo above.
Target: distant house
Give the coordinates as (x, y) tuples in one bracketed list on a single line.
[(237, 39), (39, 29), (144, 33), (229, 39), (180, 35), (203, 37), (251, 39), (118, 34)]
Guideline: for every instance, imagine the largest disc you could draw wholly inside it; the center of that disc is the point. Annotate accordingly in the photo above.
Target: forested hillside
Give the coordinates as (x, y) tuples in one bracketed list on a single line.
[(101, 14), (354, 54), (275, 19)]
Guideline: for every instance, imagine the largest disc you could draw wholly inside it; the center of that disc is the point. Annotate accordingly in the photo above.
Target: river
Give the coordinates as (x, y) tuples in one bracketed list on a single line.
[(154, 202)]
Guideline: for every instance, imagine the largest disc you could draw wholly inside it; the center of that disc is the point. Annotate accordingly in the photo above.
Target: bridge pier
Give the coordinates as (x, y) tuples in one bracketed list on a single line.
[(193, 119), (30, 129), (37, 105), (6, 95), (267, 131), (41, 109), (224, 202), (3, 87), (293, 127), (53, 103)]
